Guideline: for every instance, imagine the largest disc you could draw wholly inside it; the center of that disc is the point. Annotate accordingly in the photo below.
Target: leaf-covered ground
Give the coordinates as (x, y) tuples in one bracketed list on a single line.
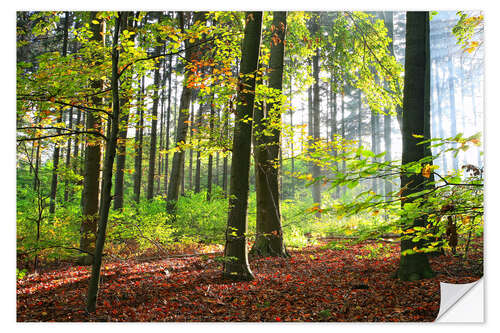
[(352, 283)]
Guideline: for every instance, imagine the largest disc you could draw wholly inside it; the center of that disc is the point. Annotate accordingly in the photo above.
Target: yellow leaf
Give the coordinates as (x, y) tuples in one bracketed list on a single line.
[(426, 171)]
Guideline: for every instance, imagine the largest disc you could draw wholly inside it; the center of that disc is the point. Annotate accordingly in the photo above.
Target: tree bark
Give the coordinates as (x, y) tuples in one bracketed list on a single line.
[(197, 175), (122, 136), (167, 129), (389, 24), (68, 157), (236, 264), (108, 170), (154, 125), (416, 120), (92, 165), (210, 156), (269, 234), (139, 136), (174, 186)]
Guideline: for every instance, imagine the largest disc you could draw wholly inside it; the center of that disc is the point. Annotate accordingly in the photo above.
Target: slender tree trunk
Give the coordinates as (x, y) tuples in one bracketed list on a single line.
[(269, 238), (360, 120), (167, 130), (177, 173), (217, 166), (55, 158), (416, 120), (191, 132), (122, 136), (374, 129), (210, 156), (334, 130), (92, 165), (108, 171), (292, 178), (77, 162), (161, 156), (121, 158), (389, 24), (197, 177), (225, 129), (139, 136), (316, 169), (342, 109), (68, 157), (236, 264), (154, 125)]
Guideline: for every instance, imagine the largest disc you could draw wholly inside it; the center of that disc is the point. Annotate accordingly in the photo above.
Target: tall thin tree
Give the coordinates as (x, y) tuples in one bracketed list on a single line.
[(269, 237), (236, 253)]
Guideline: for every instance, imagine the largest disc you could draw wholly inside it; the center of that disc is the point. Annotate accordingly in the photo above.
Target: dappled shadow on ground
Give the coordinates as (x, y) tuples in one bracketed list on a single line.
[(354, 283)]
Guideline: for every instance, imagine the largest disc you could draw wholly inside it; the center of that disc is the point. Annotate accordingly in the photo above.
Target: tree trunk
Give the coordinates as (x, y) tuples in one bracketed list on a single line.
[(167, 129), (191, 131), (342, 109), (122, 136), (174, 186), (154, 125), (269, 237), (389, 24), (108, 171), (55, 158), (292, 178), (416, 120), (139, 136), (161, 156), (334, 130), (68, 157), (210, 156), (225, 130), (197, 175), (236, 264), (360, 120), (316, 169), (92, 165), (375, 149)]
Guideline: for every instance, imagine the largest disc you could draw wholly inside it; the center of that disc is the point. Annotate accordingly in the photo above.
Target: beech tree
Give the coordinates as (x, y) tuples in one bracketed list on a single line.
[(269, 235), (107, 177), (416, 127), (177, 174), (92, 163), (235, 252)]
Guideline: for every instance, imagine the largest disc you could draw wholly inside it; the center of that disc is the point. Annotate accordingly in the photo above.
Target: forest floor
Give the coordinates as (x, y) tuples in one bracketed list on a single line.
[(353, 282)]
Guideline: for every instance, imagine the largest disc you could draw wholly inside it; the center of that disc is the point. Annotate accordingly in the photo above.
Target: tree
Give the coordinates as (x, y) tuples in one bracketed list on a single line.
[(122, 137), (92, 163), (138, 140), (316, 169), (236, 264), (416, 127), (388, 20), (154, 125), (269, 237), (177, 174), (55, 158), (107, 178)]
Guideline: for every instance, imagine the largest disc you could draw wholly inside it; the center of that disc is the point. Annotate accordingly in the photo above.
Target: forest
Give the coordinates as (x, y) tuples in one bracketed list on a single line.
[(222, 166)]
